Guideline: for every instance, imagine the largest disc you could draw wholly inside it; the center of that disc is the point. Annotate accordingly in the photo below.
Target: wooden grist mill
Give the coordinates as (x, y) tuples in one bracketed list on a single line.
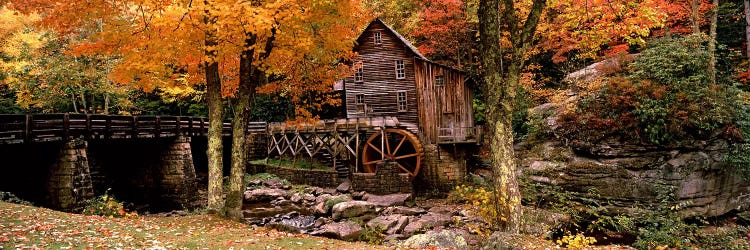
[(400, 107)]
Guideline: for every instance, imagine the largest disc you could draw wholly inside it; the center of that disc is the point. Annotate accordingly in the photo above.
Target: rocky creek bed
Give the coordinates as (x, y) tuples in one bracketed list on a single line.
[(347, 215)]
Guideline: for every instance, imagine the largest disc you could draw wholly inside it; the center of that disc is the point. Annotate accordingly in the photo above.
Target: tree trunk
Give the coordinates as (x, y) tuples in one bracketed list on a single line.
[(694, 17), (500, 109), (712, 42), (106, 104), (500, 93), (246, 95), (747, 28), (215, 120), (250, 78)]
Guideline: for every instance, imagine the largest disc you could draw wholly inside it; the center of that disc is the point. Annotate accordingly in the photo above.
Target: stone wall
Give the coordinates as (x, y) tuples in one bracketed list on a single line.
[(176, 175), (444, 167), (312, 177), (624, 177), (69, 182), (387, 179)]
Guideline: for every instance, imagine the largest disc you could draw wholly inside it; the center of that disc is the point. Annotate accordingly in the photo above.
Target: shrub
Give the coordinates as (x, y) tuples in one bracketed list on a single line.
[(106, 205), (738, 156), (479, 201), (372, 235), (576, 241), (665, 97)]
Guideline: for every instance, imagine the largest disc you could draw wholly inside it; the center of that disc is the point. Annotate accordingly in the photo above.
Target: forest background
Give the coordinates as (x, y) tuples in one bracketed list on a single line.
[(190, 57)]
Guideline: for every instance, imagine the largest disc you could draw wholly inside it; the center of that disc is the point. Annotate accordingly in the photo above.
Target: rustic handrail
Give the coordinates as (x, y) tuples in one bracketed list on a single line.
[(459, 135), (59, 127)]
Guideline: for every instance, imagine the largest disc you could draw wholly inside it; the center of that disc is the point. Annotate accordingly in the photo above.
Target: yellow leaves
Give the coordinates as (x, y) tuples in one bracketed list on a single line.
[(577, 241)]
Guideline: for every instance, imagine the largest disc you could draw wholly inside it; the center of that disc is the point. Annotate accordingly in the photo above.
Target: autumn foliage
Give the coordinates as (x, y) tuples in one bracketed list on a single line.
[(662, 97)]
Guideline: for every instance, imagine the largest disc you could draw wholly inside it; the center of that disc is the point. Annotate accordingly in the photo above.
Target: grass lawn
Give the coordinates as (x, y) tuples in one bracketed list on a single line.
[(28, 227)]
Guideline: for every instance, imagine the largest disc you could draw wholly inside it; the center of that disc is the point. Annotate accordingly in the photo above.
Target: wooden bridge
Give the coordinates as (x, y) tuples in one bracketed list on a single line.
[(30, 128)]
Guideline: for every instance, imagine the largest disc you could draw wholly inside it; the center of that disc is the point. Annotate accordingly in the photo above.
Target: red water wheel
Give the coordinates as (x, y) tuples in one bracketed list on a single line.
[(395, 145)]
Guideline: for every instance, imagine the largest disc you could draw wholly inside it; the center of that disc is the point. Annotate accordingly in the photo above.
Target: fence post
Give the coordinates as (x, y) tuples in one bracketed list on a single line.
[(66, 126), (87, 134), (108, 127), (157, 129), (134, 127), (27, 130)]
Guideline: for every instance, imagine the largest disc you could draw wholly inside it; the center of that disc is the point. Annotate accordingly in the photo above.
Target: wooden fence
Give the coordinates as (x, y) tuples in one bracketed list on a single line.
[(57, 127)]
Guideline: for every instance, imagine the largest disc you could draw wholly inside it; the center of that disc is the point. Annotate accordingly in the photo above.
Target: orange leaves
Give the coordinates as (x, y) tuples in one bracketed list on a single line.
[(584, 26)]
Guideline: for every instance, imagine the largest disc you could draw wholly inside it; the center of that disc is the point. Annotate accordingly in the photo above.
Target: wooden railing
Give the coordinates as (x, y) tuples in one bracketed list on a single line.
[(56, 127), (459, 135)]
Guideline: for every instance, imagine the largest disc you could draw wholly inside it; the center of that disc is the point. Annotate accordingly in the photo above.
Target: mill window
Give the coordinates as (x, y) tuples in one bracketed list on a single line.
[(400, 73), (378, 38), (439, 81), (401, 101), (359, 75), (359, 101)]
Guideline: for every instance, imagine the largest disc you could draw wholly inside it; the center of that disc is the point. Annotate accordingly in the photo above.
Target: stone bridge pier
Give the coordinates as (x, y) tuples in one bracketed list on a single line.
[(157, 174)]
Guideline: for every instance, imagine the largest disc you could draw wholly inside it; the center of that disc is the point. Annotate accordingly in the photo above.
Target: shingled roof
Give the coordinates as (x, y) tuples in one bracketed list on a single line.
[(403, 40)]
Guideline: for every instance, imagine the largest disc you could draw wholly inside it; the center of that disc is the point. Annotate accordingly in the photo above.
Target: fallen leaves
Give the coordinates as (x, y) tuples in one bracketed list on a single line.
[(25, 227)]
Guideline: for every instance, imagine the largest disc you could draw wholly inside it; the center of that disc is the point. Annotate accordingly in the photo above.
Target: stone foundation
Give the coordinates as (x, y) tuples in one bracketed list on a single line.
[(387, 179), (69, 180), (444, 167), (175, 177), (312, 177)]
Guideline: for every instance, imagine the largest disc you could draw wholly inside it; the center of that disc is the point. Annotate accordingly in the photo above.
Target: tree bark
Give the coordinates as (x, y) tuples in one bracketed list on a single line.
[(747, 28), (500, 93), (712, 42), (250, 78), (215, 119), (694, 17), (245, 97)]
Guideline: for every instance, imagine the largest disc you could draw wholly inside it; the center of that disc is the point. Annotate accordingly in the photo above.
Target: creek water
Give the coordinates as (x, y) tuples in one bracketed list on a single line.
[(290, 218)]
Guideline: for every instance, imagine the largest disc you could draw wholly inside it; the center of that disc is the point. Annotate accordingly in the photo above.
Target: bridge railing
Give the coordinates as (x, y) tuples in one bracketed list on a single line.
[(55, 127)]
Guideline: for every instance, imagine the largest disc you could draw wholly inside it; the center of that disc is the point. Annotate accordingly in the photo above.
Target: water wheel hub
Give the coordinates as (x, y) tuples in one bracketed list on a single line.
[(393, 145)]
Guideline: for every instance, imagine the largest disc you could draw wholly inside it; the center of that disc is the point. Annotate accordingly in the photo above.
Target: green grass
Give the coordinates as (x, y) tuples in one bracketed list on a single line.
[(30, 227)]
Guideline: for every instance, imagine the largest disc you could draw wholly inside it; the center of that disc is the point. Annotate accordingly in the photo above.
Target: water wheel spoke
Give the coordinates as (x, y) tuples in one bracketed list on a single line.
[(406, 156), (387, 144), (373, 162), (375, 148), (404, 168), (403, 139)]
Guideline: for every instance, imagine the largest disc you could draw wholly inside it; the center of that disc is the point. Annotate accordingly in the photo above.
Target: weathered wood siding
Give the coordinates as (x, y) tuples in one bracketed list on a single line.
[(447, 105), (380, 86)]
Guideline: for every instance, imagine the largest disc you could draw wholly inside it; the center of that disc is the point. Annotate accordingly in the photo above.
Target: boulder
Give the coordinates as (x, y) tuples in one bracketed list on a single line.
[(345, 230), (296, 198), (280, 201), (387, 200), (359, 195), (390, 224), (404, 210), (308, 197), (499, 241), (344, 187), (349, 209), (449, 209), (400, 225), (264, 194), (444, 239), (274, 183), (320, 208), (426, 222)]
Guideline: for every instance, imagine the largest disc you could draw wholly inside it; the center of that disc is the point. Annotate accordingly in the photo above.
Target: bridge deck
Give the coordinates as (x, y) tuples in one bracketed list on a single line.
[(15, 129)]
